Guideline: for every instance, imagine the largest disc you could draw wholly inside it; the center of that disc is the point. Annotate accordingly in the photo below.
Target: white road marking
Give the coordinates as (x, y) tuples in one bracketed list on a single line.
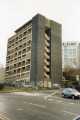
[(70, 113), (71, 103), (50, 99), (19, 109), (59, 101), (3, 117), (25, 102), (52, 94), (28, 94), (38, 105)]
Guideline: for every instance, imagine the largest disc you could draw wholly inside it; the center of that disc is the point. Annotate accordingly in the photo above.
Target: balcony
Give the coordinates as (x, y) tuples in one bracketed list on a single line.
[(46, 75), (47, 43), (47, 37), (47, 50), (46, 56), (46, 62), (46, 69)]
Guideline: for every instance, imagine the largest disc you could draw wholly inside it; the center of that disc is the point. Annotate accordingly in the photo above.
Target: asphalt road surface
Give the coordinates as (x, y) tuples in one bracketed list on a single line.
[(19, 106)]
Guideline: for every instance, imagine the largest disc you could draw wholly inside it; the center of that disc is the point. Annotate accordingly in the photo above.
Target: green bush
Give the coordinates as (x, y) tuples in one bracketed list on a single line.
[(1, 86)]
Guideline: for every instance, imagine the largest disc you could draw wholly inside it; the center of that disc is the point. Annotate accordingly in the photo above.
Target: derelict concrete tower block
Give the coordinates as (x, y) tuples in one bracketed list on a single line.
[(46, 57)]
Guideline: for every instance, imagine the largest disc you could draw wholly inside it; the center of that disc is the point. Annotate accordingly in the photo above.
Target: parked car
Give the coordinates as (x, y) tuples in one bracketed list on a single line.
[(70, 92), (77, 118), (27, 85), (56, 86)]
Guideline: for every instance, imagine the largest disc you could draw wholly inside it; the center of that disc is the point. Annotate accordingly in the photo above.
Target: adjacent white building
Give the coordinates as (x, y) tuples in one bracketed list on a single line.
[(71, 54)]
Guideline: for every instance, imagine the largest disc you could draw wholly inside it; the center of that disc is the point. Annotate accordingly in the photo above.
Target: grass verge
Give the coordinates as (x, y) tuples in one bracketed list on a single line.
[(13, 89)]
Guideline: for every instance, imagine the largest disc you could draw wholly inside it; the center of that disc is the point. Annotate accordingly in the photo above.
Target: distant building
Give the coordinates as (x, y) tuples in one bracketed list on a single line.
[(71, 54), (2, 74), (34, 53)]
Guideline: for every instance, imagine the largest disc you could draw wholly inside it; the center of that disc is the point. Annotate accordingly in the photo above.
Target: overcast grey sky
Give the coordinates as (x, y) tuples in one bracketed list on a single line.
[(14, 13)]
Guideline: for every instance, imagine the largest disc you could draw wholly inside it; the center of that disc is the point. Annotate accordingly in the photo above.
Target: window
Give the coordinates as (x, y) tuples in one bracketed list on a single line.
[(14, 71), (19, 53), (24, 45), (23, 63), (24, 50), (16, 48), (28, 68), (15, 54), (28, 61), (16, 42), (23, 69), (20, 40), (29, 31), (18, 70), (19, 64), (28, 49), (16, 38), (23, 55), (24, 38), (20, 36), (24, 33), (15, 65), (19, 58), (7, 68), (20, 46), (28, 42)]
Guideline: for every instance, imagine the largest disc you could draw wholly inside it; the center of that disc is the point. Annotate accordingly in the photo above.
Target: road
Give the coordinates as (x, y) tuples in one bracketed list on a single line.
[(19, 106)]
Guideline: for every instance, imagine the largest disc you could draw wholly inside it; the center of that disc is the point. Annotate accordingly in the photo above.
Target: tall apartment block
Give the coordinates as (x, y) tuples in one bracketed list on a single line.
[(34, 54), (71, 54)]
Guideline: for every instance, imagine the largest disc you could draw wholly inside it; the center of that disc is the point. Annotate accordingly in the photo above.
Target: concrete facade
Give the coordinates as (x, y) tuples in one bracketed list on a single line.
[(42, 62)]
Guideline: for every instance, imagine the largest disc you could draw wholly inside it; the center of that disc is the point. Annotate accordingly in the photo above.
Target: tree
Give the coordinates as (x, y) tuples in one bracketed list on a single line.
[(70, 75)]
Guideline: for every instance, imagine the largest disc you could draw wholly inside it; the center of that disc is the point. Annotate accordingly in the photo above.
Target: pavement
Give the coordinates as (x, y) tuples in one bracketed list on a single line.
[(37, 106)]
